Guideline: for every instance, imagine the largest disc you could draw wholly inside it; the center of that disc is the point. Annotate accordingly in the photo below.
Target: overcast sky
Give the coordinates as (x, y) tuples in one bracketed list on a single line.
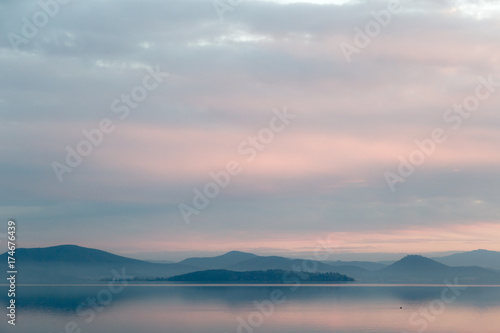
[(349, 112)]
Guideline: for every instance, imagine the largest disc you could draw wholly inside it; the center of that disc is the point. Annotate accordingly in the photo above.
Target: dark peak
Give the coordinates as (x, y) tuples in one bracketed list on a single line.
[(70, 253), (415, 258), (233, 253), (414, 261), (55, 247), (218, 262), (475, 253), (230, 254)]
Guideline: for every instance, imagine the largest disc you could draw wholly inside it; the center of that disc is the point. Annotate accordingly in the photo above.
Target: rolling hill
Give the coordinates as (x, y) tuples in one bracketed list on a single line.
[(482, 258), (260, 263), (419, 269), (367, 265), (73, 264), (218, 262)]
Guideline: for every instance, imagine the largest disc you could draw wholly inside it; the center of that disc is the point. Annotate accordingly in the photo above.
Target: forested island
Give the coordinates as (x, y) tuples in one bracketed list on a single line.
[(269, 276)]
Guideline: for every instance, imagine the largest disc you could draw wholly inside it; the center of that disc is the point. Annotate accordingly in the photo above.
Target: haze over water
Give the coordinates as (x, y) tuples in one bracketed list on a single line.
[(208, 309)]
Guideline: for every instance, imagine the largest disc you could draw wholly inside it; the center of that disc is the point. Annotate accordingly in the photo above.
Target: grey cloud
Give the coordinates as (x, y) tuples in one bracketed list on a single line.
[(54, 85)]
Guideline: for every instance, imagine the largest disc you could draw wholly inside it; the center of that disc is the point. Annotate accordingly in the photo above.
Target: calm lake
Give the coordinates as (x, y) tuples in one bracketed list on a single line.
[(245, 309)]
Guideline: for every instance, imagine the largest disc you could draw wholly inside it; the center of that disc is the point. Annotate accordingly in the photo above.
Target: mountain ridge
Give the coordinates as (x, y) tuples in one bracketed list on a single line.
[(73, 263), (480, 257), (420, 269), (218, 262)]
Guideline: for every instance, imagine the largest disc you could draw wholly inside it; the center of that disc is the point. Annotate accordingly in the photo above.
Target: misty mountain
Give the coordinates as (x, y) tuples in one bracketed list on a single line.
[(72, 264), (261, 263), (241, 261), (415, 263), (482, 258), (419, 269), (367, 265), (75, 264), (161, 261), (70, 253), (218, 262)]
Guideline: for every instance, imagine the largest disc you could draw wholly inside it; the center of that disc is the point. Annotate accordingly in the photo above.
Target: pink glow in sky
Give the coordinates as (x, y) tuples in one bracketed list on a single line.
[(323, 174)]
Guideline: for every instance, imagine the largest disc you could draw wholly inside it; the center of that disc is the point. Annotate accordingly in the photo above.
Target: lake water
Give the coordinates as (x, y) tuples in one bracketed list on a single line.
[(248, 309)]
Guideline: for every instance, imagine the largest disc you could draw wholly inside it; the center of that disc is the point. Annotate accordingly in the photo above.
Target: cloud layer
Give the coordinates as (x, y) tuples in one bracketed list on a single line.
[(323, 174)]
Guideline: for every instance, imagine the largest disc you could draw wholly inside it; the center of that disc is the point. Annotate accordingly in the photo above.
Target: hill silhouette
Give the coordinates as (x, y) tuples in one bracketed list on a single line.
[(366, 265), (75, 264), (482, 258), (260, 263), (415, 263), (222, 261), (70, 253), (419, 269)]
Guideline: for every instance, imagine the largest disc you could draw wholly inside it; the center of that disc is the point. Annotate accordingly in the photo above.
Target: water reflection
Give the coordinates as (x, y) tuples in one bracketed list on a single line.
[(187, 309)]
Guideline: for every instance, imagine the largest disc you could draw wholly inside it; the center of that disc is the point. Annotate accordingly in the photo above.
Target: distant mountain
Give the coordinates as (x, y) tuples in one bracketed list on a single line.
[(415, 263), (70, 253), (161, 261), (269, 276), (219, 262), (72, 264), (419, 269), (367, 265), (273, 262), (75, 264), (482, 258), (241, 261)]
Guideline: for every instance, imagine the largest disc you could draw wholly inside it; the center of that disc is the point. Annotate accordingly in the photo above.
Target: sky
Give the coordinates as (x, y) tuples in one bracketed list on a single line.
[(163, 129)]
